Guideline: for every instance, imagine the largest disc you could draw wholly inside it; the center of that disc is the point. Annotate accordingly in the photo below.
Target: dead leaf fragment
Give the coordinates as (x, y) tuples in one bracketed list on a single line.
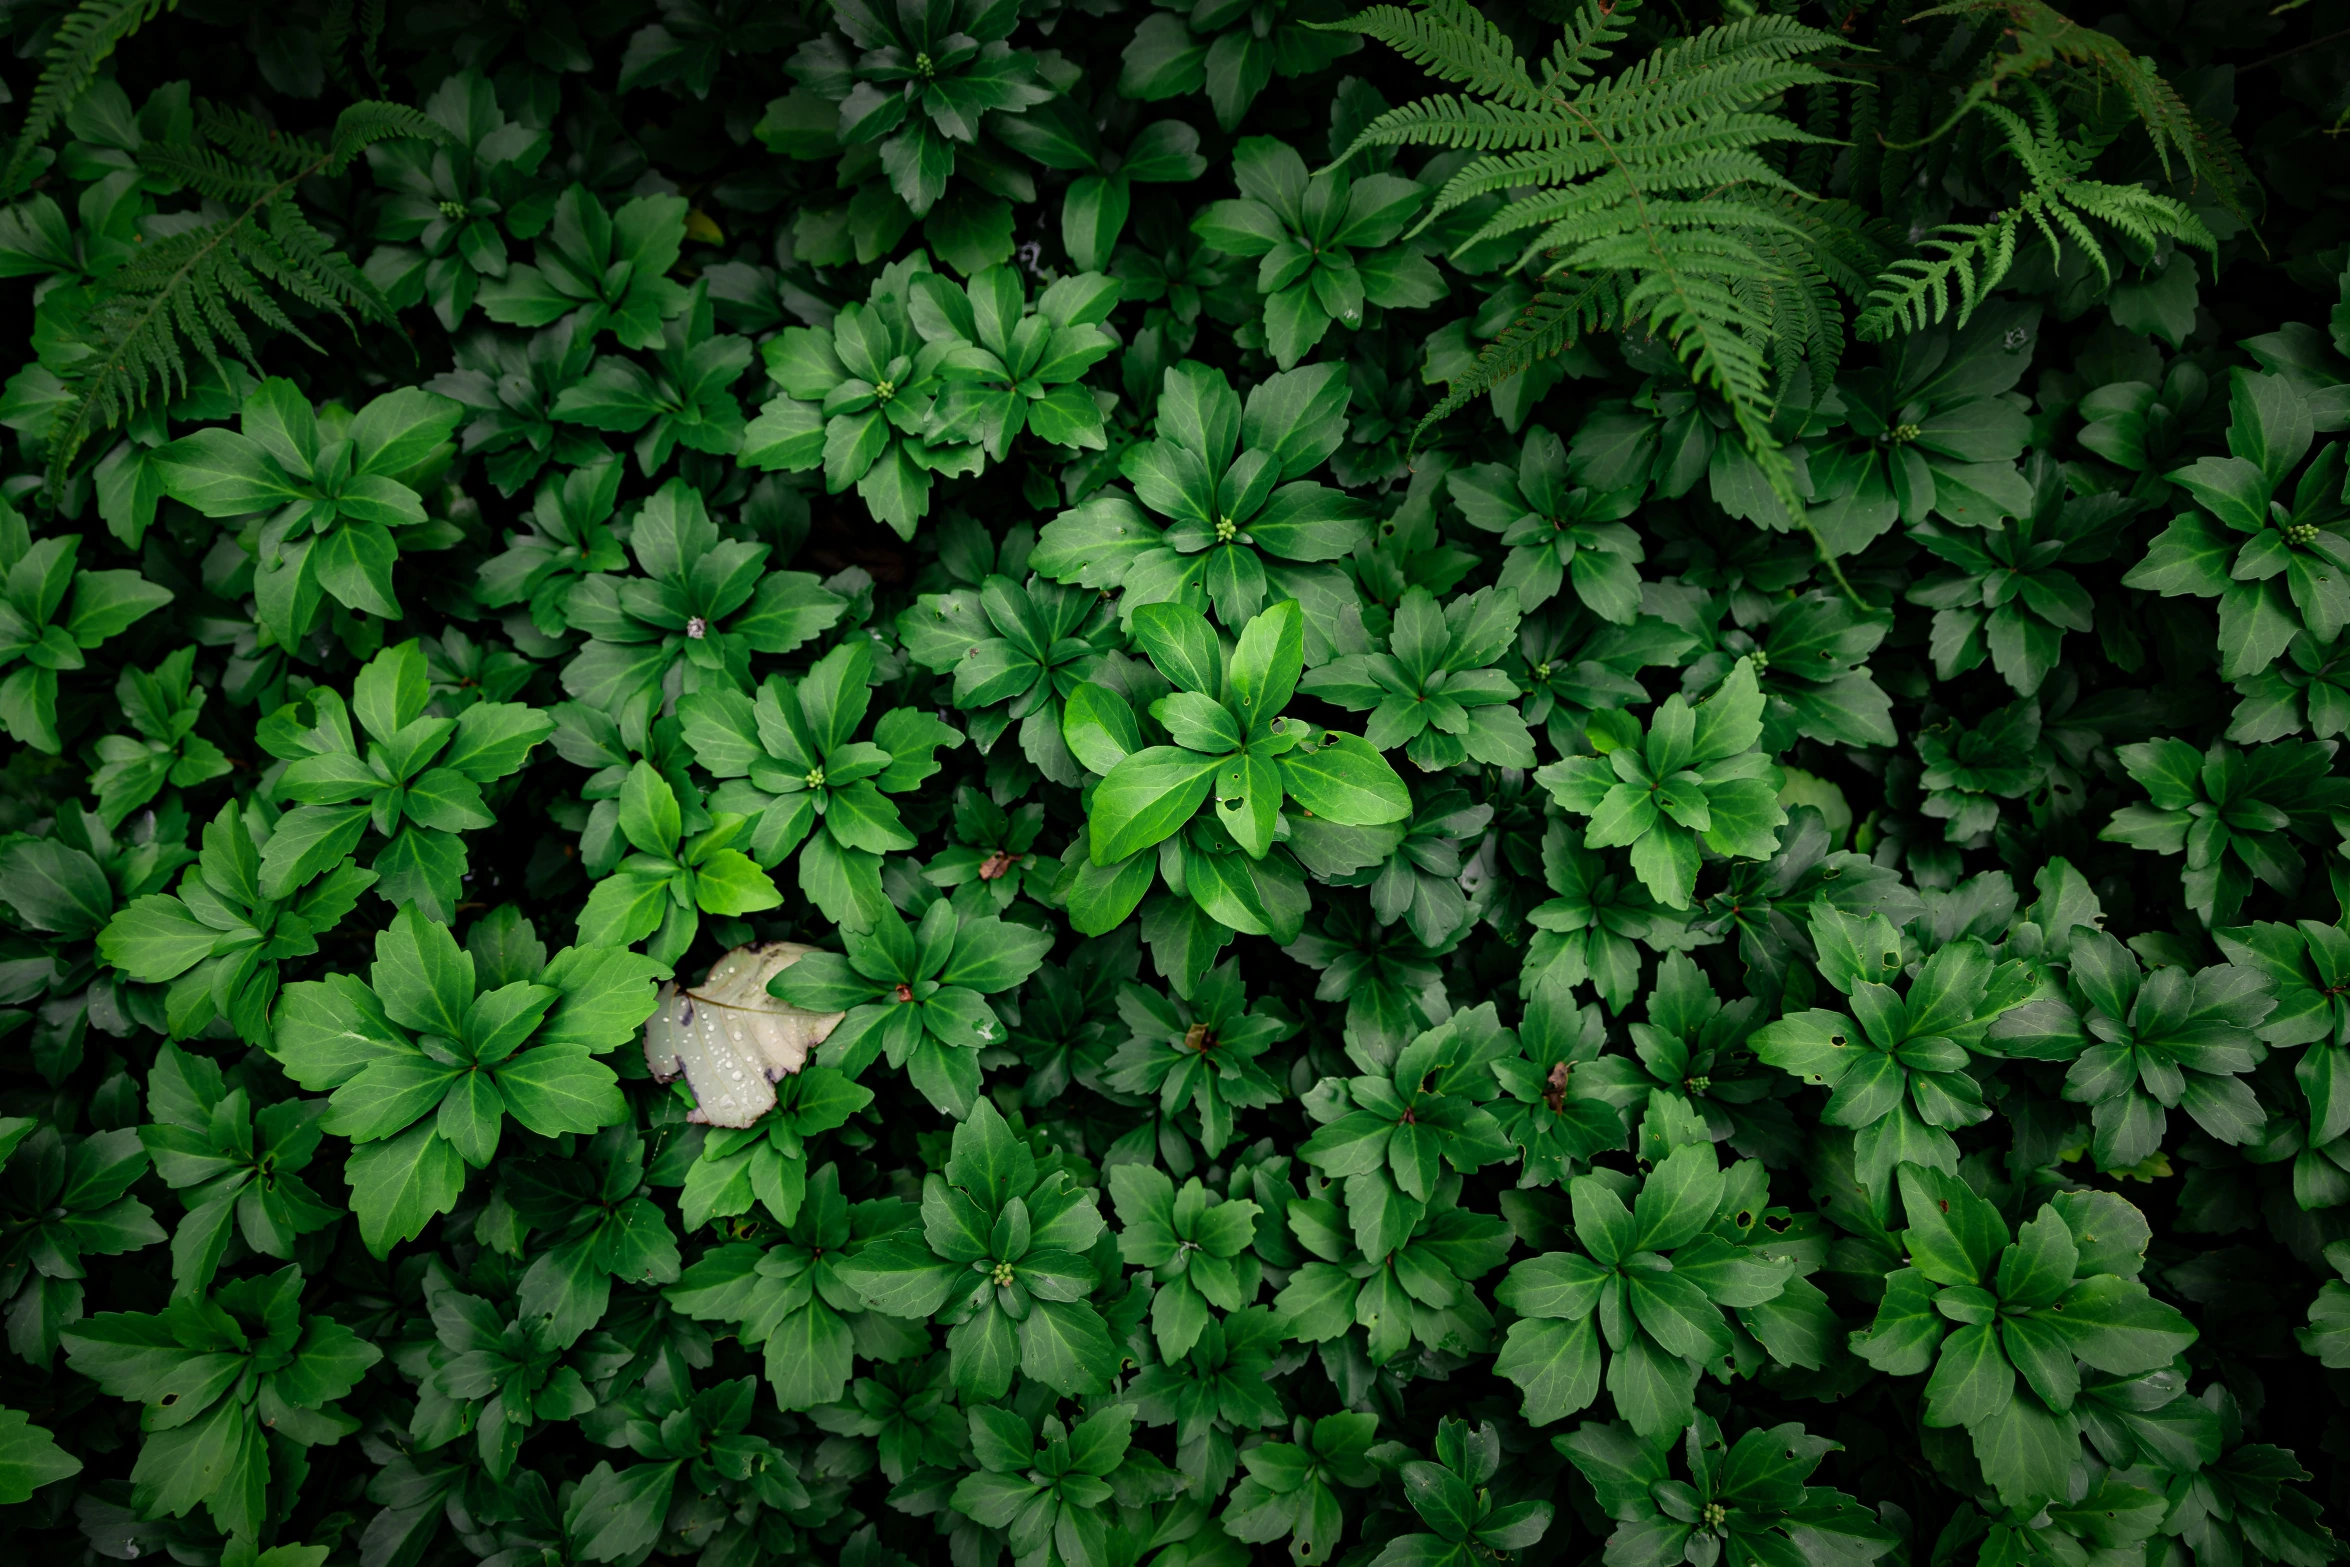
[(730, 1038)]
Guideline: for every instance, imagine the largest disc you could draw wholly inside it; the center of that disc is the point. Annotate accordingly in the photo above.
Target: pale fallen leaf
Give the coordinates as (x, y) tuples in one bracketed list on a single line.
[(731, 1039)]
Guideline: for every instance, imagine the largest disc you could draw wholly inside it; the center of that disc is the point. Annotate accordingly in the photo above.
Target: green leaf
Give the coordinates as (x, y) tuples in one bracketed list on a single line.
[(1678, 1199), (2114, 1325), (155, 938), (1555, 1363), (29, 1458), (2027, 1453), (398, 1187), (1066, 1346), (1954, 1236), (55, 887), (1100, 728), (992, 955), (1344, 780), (223, 474), (308, 841), (1972, 1379), (399, 430), (899, 1275), (553, 1089), (1182, 646), (1146, 798), (618, 1514), (1267, 663), (730, 882), (106, 602), (649, 816), (423, 977)]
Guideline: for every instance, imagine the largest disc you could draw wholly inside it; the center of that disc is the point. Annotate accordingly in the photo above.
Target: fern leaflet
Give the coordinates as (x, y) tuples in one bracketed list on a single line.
[(200, 287), (87, 35)]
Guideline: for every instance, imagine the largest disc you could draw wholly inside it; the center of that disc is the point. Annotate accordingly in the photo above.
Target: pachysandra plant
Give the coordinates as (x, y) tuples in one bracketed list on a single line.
[(686, 399), (916, 88), (567, 537), (1003, 1251), (41, 585), (237, 1166), (162, 707), (2007, 1317), (1560, 535), (2277, 565), (1899, 1076), (1016, 651), (1015, 364), (1454, 1500), (230, 1382), (1745, 1501), (468, 1040), (455, 200), (859, 400), (220, 940), (2145, 1044), (700, 606), (1594, 926), (418, 784), (1230, 741), (792, 1296), (1660, 1327), (918, 995), (671, 877), (2233, 812), (603, 270), (1432, 690), (68, 1200), (1231, 52), (1326, 243), (1929, 435), (328, 493), (1198, 1053), (1650, 750), (1244, 523), (1687, 781), (2006, 592), (1094, 209), (793, 767)]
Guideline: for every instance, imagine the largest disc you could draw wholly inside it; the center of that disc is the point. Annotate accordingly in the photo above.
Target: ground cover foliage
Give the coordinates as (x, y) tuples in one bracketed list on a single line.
[(1568, 773)]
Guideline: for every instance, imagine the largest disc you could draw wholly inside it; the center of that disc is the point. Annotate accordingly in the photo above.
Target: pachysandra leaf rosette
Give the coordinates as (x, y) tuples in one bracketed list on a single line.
[(1428, 784)]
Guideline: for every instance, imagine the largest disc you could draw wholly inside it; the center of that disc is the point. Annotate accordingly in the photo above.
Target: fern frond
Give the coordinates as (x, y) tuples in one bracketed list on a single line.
[(1453, 41), (1551, 323), (1449, 122), (245, 137), (364, 124), (87, 35), (1916, 291), (1595, 30), (1645, 197), (177, 289), (1973, 258), (1848, 246), (1805, 312), (334, 36), (2041, 39), (209, 172), (204, 292)]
